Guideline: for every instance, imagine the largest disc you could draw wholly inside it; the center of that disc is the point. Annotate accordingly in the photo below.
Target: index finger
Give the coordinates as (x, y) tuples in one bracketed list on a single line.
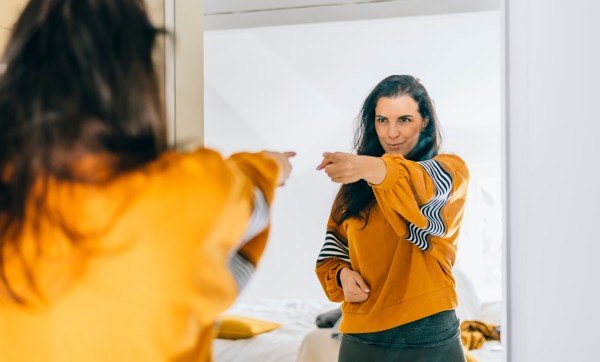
[(326, 160), (323, 163)]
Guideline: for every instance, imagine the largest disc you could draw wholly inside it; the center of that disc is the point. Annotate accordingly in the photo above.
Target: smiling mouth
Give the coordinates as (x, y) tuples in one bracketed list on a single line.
[(396, 144)]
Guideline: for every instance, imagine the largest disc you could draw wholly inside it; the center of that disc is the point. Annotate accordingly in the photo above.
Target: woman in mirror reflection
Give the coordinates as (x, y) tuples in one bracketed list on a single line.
[(113, 246), (392, 235)]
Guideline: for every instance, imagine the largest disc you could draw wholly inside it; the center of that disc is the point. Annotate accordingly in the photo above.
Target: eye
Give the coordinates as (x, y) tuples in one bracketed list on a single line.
[(380, 120), (404, 120)]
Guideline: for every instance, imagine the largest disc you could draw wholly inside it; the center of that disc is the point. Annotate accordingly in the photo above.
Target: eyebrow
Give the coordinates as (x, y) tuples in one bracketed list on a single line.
[(404, 116)]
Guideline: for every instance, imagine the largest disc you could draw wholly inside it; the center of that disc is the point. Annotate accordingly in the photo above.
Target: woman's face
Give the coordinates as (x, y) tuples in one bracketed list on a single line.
[(398, 124)]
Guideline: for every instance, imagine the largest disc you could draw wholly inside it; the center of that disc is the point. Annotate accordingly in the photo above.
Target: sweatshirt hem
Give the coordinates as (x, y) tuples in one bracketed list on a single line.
[(398, 314)]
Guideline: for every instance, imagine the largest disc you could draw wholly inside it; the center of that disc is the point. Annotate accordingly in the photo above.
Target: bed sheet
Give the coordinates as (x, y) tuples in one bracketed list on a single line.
[(297, 318)]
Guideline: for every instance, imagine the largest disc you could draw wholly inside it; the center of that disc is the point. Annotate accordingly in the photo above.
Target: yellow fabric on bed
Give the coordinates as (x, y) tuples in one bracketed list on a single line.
[(237, 327)]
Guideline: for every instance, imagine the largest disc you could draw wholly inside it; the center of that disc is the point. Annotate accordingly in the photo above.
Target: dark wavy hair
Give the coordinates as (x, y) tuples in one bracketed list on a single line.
[(355, 199), (79, 81)]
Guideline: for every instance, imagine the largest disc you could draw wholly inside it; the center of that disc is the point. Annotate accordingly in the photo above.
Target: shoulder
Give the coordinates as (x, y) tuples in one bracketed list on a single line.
[(200, 162), (453, 164), (202, 171)]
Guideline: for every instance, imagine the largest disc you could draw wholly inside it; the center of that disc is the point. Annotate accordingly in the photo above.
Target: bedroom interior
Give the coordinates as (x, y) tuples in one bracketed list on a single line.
[(301, 54), (526, 119), (292, 75)]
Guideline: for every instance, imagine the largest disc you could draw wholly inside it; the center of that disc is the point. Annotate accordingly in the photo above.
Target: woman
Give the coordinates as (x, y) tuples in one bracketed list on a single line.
[(392, 235), (112, 246)]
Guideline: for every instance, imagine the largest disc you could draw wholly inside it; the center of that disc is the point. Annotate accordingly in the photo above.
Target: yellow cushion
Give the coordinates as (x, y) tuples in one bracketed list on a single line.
[(236, 327)]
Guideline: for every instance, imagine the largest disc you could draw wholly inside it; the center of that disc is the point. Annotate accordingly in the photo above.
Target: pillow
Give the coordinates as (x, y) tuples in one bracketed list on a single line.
[(491, 312), (236, 327), (328, 319), (468, 301)]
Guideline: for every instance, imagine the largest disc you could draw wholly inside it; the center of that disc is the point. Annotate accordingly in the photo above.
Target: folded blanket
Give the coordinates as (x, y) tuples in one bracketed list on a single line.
[(473, 334)]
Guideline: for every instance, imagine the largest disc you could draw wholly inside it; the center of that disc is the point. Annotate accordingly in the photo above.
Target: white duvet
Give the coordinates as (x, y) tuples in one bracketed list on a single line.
[(297, 318)]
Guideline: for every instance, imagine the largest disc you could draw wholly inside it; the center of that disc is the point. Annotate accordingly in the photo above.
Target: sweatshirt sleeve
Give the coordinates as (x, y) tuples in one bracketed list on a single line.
[(415, 197), (334, 256), (230, 227), (263, 172)]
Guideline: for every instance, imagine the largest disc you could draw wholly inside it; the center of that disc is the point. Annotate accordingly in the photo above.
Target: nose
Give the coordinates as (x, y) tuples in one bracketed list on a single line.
[(393, 130)]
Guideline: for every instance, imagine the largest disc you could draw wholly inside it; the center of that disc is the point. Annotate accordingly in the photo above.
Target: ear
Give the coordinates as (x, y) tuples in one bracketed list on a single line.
[(425, 124)]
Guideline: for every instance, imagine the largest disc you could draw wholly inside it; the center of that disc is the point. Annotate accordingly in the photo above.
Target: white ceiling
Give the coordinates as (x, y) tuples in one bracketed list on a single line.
[(229, 14), (234, 6)]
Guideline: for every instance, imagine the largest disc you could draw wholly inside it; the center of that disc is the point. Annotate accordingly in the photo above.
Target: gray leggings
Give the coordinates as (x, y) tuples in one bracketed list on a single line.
[(352, 351)]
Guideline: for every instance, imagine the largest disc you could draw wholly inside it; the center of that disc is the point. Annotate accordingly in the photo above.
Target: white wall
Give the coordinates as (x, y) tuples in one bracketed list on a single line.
[(230, 14), (300, 87), (553, 195)]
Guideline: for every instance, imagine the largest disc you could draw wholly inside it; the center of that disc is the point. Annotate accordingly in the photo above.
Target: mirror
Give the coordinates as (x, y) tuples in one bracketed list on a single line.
[(293, 76)]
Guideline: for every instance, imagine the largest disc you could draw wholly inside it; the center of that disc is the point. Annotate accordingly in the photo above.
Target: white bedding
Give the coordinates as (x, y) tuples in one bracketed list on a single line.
[(490, 352), (297, 318), (283, 344)]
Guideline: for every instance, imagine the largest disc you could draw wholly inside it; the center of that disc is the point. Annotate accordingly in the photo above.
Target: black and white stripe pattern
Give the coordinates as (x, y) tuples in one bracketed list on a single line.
[(260, 217), (432, 209), (333, 248), (240, 267)]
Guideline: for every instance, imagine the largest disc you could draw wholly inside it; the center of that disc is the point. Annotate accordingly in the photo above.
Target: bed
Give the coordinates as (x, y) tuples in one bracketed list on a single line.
[(298, 339), (297, 319)]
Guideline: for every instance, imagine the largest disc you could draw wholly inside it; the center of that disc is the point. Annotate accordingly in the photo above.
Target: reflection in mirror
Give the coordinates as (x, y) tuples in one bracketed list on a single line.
[(300, 87)]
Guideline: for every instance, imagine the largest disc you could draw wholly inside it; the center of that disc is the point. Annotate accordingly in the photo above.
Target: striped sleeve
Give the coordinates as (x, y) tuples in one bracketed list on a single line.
[(241, 266), (334, 247), (432, 209), (333, 257), (400, 197), (227, 227), (246, 252)]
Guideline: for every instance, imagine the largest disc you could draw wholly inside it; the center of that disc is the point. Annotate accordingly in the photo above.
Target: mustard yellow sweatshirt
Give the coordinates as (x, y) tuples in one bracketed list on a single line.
[(406, 251), (163, 251)]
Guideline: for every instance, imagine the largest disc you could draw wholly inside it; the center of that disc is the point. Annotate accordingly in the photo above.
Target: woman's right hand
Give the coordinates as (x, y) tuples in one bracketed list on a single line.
[(354, 286), (285, 167)]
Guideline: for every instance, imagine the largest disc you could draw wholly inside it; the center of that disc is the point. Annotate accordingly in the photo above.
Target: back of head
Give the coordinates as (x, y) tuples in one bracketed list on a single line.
[(79, 81)]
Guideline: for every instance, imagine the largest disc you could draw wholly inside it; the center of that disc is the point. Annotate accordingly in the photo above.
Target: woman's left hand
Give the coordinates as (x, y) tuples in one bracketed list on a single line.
[(347, 168)]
